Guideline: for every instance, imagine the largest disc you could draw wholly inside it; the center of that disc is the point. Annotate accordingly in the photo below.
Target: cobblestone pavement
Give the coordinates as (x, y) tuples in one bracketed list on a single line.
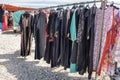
[(14, 67)]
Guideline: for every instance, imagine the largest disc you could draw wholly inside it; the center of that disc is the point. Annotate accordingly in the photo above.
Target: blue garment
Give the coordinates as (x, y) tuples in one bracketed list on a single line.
[(0, 25), (73, 38), (16, 17), (72, 68), (73, 27)]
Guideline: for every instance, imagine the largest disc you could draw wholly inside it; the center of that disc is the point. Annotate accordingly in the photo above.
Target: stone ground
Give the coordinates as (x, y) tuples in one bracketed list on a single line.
[(15, 67)]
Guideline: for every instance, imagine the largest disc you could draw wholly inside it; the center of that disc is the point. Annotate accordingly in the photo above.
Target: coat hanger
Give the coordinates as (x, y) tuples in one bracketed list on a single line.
[(74, 6), (87, 6), (67, 8), (112, 5), (81, 5), (26, 12), (60, 8), (94, 5)]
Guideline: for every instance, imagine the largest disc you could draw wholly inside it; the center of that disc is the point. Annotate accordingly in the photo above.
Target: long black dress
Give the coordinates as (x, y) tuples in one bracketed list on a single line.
[(26, 33), (39, 33)]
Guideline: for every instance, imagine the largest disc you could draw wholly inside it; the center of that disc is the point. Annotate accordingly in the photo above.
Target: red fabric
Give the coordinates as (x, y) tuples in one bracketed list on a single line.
[(46, 33), (51, 40), (4, 24), (110, 40), (45, 30)]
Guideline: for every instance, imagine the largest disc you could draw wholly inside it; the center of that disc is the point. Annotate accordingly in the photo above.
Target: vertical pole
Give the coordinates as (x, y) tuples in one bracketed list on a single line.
[(103, 5)]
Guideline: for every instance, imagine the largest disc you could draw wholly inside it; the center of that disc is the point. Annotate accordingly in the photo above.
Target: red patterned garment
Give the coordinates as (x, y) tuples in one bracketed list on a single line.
[(107, 46), (116, 50), (106, 28)]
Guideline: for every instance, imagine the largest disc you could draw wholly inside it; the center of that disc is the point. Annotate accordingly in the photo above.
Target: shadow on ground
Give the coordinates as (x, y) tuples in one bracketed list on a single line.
[(27, 70), (9, 32)]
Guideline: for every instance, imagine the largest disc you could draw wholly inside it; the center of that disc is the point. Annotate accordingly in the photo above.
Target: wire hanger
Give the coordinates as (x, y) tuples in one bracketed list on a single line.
[(81, 5), (74, 6), (67, 8), (112, 5), (87, 6), (94, 5), (60, 8)]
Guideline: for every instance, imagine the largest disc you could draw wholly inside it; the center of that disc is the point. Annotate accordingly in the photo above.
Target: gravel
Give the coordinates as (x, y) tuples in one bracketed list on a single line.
[(15, 67)]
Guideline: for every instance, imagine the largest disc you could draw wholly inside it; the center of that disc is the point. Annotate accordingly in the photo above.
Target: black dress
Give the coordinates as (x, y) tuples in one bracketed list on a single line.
[(26, 33), (48, 57), (1, 14), (39, 33)]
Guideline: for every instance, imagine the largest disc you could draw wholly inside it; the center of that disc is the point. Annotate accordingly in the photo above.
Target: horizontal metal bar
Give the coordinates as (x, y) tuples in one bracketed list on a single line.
[(71, 4), (114, 3)]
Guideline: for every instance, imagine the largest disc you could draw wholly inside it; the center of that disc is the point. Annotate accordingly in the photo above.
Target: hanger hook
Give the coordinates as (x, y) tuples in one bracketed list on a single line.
[(112, 2), (94, 1)]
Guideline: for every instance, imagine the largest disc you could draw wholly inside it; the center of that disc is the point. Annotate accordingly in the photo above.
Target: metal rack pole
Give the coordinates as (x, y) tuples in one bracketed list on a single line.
[(71, 4), (113, 3)]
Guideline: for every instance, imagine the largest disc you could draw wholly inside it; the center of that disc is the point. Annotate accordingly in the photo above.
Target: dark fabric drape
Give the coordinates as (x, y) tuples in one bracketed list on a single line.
[(39, 34), (59, 48), (50, 39), (90, 36), (85, 37), (1, 14), (26, 33)]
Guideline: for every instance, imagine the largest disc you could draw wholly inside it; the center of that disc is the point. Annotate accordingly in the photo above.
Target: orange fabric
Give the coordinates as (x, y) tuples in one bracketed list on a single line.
[(6, 21), (14, 8), (110, 40)]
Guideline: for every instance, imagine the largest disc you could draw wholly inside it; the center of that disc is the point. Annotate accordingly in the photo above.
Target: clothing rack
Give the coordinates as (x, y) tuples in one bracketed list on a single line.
[(97, 1), (103, 4)]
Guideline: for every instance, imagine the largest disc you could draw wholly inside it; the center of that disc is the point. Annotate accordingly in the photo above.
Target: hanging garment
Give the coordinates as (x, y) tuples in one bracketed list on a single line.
[(108, 17), (50, 39), (73, 38), (82, 54), (86, 42), (26, 33), (65, 41), (106, 57), (4, 24), (58, 39), (10, 21), (116, 52), (106, 28), (66, 37), (16, 18), (0, 25), (36, 17), (97, 31), (1, 14), (80, 48), (40, 40), (75, 46), (90, 39)]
